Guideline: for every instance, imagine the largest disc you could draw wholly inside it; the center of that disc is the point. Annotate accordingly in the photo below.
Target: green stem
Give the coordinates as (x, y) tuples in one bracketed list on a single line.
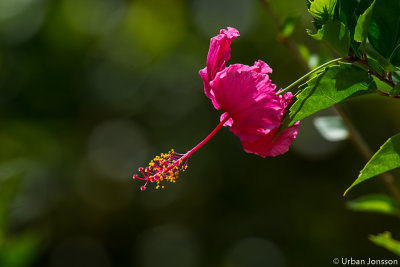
[(307, 75)]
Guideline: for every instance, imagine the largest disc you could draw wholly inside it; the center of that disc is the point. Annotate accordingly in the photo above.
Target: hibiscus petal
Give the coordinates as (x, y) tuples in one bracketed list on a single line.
[(250, 100), (248, 97), (218, 55), (262, 67), (267, 146)]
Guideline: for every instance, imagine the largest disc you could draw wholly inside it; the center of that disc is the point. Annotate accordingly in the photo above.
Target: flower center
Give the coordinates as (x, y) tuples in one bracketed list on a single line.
[(167, 166)]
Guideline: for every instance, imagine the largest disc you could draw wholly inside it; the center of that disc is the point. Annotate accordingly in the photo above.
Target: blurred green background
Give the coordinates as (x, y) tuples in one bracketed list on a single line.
[(90, 90)]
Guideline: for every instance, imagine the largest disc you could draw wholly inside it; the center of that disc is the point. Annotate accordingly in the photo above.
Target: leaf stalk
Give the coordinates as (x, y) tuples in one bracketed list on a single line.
[(305, 77)]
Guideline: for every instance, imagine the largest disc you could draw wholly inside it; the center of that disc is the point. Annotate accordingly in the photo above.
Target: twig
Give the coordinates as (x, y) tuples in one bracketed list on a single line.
[(372, 71)]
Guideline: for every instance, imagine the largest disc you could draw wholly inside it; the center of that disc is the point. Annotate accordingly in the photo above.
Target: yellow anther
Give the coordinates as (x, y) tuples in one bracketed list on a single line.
[(166, 166)]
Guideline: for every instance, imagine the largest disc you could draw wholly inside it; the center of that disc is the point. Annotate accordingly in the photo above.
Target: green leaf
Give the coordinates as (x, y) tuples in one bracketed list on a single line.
[(396, 77), (347, 13), (362, 6), (395, 57), (322, 10), (374, 203), (381, 85), (376, 66), (383, 62), (334, 85), (335, 35), (385, 240), (361, 31), (387, 158), (396, 90), (384, 29)]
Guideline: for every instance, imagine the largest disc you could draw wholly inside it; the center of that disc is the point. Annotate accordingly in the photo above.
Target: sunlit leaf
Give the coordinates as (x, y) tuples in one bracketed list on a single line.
[(374, 203), (361, 31), (335, 35), (385, 240), (382, 86), (334, 85), (387, 158), (322, 10)]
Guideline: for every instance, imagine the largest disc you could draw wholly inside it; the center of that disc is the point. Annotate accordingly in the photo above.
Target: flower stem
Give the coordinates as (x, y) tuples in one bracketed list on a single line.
[(168, 165), (205, 140), (304, 77)]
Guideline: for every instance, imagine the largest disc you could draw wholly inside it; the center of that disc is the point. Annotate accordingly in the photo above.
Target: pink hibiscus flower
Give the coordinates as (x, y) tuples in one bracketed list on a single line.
[(249, 98), (253, 111)]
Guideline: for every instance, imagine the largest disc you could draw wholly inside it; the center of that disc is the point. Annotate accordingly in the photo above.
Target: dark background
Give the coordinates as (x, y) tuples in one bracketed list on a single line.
[(90, 90)]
